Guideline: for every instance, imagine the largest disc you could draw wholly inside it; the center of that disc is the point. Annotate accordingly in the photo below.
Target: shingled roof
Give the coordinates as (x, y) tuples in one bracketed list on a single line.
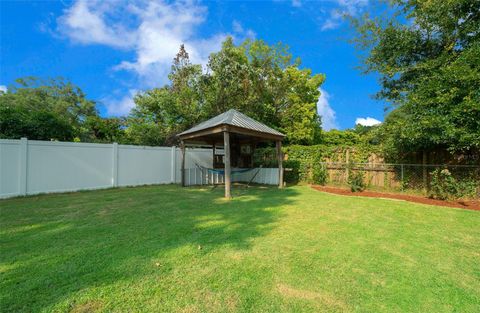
[(233, 118)]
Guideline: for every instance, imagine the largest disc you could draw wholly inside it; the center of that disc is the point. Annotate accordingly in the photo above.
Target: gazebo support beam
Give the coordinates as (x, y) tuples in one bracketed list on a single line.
[(182, 146), (280, 164), (228, 181)]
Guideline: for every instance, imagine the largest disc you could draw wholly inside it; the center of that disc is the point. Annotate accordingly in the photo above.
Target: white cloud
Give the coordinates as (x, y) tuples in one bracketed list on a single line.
[(85, 22), (237, 27), (119, 107), (342, 8), (325, 111), (3, 88), (152, 30), (296, 3), (367, 121), (241, 33)]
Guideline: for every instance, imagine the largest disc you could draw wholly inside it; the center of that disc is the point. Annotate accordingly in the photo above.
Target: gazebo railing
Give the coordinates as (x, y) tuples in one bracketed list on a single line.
[(200, 177)]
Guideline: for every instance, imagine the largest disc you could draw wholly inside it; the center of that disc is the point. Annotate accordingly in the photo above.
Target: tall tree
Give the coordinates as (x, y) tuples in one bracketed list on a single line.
[(264, 82), (56, 108), (259, 80), (161, 113), (427, 55)]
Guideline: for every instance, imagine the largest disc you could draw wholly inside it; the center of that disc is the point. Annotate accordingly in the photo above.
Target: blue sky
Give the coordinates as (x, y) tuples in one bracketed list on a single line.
[(114, 49)]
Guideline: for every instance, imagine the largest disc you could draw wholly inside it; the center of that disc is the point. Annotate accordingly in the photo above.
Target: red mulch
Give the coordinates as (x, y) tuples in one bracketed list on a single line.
[(464, 204)]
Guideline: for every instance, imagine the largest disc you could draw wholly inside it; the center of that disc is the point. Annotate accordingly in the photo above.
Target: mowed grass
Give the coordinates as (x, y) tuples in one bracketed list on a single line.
[(173, 249)]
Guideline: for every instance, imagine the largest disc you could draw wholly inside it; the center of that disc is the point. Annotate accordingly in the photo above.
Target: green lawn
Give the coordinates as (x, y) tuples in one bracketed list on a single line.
[(164, 248)]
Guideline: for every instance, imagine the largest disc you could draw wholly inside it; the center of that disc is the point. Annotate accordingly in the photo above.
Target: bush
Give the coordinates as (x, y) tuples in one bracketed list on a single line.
[(356, 180), (319, 174), (445, 186), (292, 175)]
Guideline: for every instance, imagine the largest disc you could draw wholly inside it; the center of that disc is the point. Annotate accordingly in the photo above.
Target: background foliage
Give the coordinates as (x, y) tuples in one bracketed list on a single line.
[(426, 53)]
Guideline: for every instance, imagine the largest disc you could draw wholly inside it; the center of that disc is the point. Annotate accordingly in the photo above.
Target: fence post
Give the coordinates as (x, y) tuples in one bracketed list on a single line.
[(347, 170), (23, 166), (401, 176), (115, 164), (173, 164), (424, 170)]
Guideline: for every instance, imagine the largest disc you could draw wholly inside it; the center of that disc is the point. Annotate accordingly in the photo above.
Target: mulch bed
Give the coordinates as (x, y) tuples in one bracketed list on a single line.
[(464, 204)]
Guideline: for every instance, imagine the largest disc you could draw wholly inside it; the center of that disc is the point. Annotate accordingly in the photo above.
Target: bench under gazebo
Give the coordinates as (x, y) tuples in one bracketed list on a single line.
[(239, 135)]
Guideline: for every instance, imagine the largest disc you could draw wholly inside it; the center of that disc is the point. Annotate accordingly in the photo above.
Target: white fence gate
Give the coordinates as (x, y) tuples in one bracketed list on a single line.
[(30, 167)]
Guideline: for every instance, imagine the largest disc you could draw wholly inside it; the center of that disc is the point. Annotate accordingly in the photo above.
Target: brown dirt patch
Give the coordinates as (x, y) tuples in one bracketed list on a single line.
[(463, 204), (89, 307), (326, 299)]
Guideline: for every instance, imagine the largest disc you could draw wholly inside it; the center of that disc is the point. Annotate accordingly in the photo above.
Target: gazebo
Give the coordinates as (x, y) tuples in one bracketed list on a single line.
[(239, 135)]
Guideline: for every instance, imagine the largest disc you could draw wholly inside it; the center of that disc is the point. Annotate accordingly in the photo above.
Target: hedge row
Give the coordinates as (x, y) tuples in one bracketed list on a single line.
[(305, 161)]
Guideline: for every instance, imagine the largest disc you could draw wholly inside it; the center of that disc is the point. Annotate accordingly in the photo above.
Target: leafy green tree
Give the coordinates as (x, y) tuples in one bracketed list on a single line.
[(109, 129), (17, 122), (151, 120), (427, 55), (55, 108), (161, 113), (259, 80), (337, 137), (265, 83)]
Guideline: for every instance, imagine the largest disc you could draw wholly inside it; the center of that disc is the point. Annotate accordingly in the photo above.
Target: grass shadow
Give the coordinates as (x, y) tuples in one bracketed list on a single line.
[(54, 246)]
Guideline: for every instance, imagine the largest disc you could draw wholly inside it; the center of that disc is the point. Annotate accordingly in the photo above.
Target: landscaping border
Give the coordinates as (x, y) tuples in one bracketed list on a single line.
[(463, 204)]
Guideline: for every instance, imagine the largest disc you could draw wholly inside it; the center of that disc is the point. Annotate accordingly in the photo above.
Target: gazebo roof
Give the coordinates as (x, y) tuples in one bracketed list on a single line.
[(233, 121)]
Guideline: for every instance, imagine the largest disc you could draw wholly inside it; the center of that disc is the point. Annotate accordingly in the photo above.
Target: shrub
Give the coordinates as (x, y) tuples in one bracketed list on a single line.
[(356, 181), (319, 174), (292, 175), (445, 186)]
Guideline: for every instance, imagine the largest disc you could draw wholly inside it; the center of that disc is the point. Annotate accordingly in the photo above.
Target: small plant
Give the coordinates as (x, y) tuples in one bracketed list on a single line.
[(445, 186), (319, 174), (356, 180), (291, 175)]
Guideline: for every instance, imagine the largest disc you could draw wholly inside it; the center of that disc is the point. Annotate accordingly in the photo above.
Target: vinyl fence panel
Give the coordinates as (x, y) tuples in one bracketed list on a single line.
[(66, 166), (31, 167), (9, 168), (144, 165)]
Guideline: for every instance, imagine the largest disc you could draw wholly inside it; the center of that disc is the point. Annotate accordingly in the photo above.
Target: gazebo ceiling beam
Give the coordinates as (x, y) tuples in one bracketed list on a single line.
[(231, 129)]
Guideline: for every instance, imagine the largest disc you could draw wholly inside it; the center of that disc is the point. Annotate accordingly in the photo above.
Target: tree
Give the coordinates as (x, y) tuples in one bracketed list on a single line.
[(259, 80), (109, 129), (427, 56), (17, 122), (263, 82), (54, 108), (161, 113), (151, 121)]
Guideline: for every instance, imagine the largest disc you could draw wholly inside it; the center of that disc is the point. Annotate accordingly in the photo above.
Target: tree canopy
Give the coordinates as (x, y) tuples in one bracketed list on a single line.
[(257, 79), (53, 109), (427, 55)]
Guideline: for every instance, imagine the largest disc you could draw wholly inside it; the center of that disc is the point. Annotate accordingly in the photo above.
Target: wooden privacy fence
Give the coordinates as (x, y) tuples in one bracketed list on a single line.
[(396, 176), (378, 175)]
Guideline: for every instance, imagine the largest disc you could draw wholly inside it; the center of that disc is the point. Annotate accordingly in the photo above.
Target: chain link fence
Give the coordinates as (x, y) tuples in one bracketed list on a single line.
[(412, 178)]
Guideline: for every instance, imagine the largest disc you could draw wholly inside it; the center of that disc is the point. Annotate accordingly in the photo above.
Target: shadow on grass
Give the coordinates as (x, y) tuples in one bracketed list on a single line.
[(55, 245)]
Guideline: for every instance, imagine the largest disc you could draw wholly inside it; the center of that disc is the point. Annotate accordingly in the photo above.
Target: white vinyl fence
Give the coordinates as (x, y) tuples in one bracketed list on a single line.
[(31, 167)]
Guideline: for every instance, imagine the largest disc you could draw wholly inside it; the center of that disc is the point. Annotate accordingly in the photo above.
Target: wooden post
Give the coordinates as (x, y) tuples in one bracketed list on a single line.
[(228, 182), (347, 169), (424, 170), (280, 163), (182, 146), (402, 176), (173, 157)]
